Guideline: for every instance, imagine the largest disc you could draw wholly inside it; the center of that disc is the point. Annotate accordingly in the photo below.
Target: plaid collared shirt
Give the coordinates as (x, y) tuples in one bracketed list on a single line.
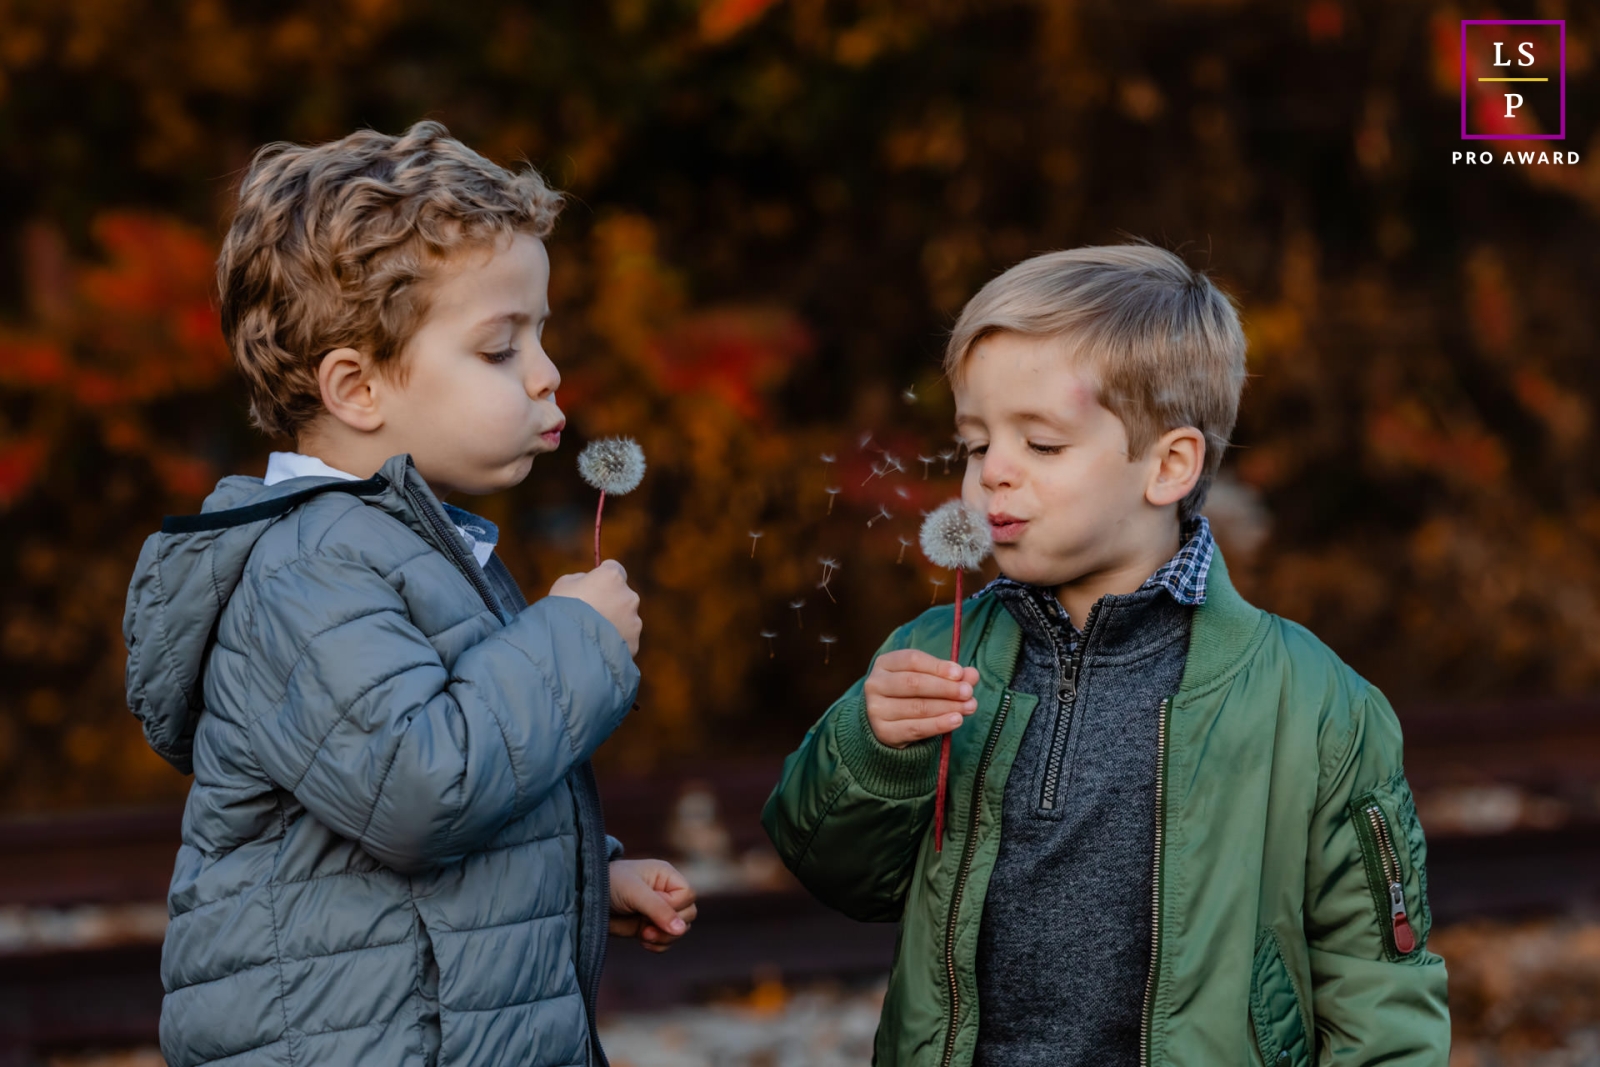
[(1183, 576)]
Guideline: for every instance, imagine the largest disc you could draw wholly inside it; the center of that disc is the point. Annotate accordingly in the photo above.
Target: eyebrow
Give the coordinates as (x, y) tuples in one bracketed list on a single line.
[(488, 326), (1034, 416), (1022, 416)]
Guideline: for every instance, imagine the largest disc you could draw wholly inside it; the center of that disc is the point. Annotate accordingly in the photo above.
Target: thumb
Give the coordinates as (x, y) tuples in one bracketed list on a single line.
[(659, 910)]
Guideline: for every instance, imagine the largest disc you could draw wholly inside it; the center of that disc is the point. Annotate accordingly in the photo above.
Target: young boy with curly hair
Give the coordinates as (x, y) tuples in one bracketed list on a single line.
[(392, 850), (1178, 831)]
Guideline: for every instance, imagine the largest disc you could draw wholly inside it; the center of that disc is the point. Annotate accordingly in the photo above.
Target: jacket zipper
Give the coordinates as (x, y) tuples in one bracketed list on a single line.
[(968, 849), (594, 844), (1405, 939), (1067, 700), (1162, 715)]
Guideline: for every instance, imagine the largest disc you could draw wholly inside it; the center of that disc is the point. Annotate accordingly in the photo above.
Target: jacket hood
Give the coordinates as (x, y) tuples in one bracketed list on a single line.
[(183, 580)]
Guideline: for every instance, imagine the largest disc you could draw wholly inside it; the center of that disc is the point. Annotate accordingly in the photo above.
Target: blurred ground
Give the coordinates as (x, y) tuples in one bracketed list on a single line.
[(1522, 995)]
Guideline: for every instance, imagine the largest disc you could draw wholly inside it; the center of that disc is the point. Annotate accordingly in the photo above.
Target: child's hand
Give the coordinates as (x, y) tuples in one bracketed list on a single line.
[(605, 589), (911, 695), (651, 901)]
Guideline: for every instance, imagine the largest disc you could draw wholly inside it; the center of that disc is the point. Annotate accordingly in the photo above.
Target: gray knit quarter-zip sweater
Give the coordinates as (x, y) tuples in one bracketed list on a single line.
[(1064, 945)]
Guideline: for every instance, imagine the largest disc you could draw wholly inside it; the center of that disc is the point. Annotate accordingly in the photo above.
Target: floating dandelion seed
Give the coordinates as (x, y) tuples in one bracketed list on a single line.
[(755, 536), (938, 584), (902, 492), (909, 395), (891, 462), (957, 538), (829, 568), (947, 455), (904, 544), (927, 462), (829, 457), (795, 606), (832, 491), (878, 471), (883, 513), (866, 441), (828, 641), (613, 465), (769, 635)]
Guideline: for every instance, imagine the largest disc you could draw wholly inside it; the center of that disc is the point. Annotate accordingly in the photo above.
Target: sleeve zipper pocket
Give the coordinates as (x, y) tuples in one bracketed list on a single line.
[(1404, 938)]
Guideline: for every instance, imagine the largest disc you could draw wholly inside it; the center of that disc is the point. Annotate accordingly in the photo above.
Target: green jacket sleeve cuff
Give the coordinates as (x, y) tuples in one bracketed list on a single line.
[(890, 773)]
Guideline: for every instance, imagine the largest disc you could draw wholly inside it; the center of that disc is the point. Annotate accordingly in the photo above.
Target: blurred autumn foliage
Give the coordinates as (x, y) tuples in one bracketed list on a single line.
[(777, 209)]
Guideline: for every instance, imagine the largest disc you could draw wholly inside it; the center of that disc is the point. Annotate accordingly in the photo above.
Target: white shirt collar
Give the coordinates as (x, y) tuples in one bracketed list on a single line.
[(281, 466)]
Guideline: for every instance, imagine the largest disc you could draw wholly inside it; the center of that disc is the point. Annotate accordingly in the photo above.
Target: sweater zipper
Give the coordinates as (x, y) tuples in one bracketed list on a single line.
[(1067, 700), (1162, 715), (450, 539), (1405, 940), (968, 849)]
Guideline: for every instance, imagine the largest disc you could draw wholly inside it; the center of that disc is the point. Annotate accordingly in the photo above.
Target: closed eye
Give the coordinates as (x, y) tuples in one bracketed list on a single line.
[(500, 356), (1046, 450)]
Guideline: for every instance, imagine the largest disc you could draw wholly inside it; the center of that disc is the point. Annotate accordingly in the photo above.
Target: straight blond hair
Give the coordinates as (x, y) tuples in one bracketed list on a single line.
[(1161, 340)]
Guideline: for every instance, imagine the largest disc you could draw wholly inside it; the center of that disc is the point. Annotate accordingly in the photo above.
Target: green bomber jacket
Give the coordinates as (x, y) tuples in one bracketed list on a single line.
[(1291, 910)]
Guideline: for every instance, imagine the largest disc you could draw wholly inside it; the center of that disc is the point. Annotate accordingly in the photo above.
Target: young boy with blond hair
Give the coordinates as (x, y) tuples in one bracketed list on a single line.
[(1178, 831), (393, 850)]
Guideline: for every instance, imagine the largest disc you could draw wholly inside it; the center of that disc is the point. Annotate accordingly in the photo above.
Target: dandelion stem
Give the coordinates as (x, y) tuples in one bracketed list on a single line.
[(944, 745), (598, 512)]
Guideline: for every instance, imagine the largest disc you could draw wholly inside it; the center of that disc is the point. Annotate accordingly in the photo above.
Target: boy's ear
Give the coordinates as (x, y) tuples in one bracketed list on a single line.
[(350, 389), (1177, 458)]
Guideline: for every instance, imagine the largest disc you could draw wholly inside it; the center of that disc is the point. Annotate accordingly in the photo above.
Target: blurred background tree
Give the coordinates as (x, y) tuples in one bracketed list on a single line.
[(777, 209)]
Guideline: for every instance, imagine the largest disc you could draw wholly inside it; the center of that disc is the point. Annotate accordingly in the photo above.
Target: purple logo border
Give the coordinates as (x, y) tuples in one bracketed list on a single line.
[(1465, 136)]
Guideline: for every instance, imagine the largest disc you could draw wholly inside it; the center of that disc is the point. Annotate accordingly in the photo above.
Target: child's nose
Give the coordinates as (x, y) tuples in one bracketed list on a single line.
[(996, 470), (543, 378)]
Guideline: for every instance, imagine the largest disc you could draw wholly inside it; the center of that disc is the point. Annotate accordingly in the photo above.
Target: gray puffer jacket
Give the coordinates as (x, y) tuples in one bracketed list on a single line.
[(392, 851)]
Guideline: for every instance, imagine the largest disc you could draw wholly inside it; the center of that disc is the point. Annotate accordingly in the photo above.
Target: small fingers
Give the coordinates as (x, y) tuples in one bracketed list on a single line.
[(908, 731), (891, 710), (917, 661)]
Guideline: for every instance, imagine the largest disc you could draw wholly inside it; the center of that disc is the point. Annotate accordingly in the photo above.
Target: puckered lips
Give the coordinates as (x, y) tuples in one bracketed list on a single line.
[(552, 436), (1007, 529)]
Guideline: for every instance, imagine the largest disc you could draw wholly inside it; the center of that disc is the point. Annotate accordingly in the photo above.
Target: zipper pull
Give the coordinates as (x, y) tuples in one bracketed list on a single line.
[(1405, 940)]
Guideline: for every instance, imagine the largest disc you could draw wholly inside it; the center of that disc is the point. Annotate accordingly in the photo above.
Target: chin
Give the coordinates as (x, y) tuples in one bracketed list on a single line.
[(1019, 567)]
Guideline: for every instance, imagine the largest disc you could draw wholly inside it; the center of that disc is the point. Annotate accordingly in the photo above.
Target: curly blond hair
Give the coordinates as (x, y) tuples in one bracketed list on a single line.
[(331, 246), (1162, 340)]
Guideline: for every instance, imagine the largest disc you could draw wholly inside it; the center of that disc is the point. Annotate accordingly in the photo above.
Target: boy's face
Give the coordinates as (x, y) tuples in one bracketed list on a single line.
[(478, 399), (1049, 464)]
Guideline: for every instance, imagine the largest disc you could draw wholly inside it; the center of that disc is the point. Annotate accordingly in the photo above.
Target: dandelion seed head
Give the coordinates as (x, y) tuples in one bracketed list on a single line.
[(829, 457), (769, 634), (866, 440), (828, 562), (909, 395), (833, 490), (947, 454), (796, 605), (613, 465), (827, 639), (903, 493), (956, 537)]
